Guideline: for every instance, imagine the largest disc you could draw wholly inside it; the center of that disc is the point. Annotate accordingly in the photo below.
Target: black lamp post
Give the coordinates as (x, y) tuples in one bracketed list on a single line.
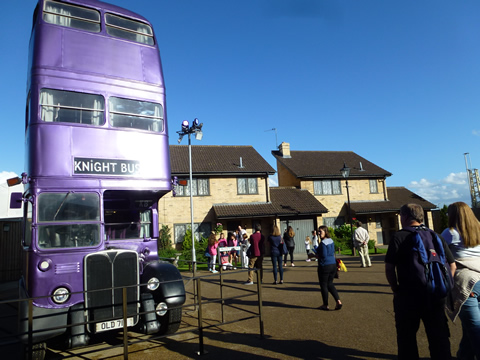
[(195, 128), (346, 173)]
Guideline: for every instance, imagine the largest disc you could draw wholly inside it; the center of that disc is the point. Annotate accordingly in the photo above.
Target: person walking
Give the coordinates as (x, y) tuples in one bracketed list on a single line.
[(257, 243), (412, 303), (463, 237), (327, 267), (361, 244), (289, 238), (275, 240)]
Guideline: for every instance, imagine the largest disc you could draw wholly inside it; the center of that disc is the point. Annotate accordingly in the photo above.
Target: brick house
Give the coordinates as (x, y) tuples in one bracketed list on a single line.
[(230, 186), (372, 202)]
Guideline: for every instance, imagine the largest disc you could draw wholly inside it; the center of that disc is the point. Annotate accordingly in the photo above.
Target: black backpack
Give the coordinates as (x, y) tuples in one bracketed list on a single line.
[(430, 270)]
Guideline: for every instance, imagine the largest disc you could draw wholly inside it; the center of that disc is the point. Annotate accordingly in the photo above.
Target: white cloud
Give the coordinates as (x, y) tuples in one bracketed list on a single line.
[(4, 175), (476, 132), (454, 187)]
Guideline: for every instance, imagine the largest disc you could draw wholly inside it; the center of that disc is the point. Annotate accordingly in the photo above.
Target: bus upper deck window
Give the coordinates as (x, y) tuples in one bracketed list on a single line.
[(72, 107), (71, 16), (129, 29), (136, 114)]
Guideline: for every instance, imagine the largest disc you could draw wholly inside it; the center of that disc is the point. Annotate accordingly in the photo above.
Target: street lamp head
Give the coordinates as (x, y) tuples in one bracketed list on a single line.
[(180, 139), (345, 171), (198, 135), (185, 126), (195, 123)]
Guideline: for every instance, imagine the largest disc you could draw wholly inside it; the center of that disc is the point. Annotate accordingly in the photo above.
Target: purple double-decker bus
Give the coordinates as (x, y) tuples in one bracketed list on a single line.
[(97, 162)]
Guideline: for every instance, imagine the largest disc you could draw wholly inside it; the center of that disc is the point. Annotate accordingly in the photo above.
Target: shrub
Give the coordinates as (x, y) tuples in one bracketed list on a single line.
[(200, 247), (343, 234)]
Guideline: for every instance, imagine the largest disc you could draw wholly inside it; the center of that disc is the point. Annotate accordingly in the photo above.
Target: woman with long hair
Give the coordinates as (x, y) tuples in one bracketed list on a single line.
[(212, 249), (463, 237), (327, 267), (275, 241), (289, 238)]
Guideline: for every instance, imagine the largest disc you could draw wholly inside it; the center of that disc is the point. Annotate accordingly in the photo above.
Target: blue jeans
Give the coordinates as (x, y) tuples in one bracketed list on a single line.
[(277, 260), (470, 315)]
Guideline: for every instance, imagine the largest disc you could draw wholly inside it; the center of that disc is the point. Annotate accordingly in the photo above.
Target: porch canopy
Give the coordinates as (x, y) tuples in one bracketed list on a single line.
[(397, 197), (285, 201)]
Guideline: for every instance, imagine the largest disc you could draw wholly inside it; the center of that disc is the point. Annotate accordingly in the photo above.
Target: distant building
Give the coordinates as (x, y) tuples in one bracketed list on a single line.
[(230, 186), (372, 202)]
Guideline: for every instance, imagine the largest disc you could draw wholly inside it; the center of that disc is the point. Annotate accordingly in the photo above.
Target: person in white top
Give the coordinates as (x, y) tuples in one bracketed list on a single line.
[(361, 244)]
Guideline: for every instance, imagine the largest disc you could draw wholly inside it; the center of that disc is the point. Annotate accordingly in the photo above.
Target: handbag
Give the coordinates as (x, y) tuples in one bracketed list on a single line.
[(207, 254), (250, 251), (283, 248)]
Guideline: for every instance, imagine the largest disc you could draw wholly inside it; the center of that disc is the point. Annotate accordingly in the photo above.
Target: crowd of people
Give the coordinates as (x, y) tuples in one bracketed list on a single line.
[(458, 247)]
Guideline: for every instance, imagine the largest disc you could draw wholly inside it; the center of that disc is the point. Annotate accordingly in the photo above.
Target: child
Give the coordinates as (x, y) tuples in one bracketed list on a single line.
[(222, 242), (232, 241), (212, 249), (308, 244), (245, 246)]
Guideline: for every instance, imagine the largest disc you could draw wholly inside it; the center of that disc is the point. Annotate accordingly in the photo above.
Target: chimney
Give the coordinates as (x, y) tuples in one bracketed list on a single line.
[(284, 149)]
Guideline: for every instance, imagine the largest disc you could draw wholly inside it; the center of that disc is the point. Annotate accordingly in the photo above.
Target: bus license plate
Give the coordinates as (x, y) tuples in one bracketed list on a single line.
[(113, 324)]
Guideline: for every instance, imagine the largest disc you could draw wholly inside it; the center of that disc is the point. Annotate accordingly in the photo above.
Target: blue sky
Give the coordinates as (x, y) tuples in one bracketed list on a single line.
[(397, 82)]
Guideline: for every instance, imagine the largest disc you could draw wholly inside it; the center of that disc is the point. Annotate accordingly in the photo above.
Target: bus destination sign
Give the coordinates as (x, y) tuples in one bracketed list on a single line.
[(106, 166)]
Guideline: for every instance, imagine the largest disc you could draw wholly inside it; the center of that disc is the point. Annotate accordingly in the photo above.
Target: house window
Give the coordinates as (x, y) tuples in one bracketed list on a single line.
[(327, 187), (378, 221), (373, 186), (333, 222), (247, 186), (199, 187), (201, 230)]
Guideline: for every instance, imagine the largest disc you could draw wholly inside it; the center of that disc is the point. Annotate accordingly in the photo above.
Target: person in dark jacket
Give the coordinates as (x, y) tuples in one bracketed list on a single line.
[(275, 241), (257, 243), (289, 238), (327, 267)]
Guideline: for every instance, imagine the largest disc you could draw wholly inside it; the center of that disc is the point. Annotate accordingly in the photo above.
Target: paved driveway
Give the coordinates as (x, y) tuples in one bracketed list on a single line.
[(293, 326)]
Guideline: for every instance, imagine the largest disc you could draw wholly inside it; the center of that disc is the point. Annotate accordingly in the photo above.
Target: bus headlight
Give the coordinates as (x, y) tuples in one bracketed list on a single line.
[(161, 309), (153, 284), (60, 295), (44, 265)]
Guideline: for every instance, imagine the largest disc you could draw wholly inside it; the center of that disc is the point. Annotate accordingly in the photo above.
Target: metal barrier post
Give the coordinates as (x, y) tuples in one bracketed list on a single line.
[(201, 350), (30, 329), (125, 330), (222, 302), (260, 306)]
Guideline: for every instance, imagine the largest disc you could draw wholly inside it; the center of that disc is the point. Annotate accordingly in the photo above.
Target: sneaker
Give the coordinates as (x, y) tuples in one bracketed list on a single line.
[(214, 271), (293, 264), (248, 283), (285, 265), (308, 260)]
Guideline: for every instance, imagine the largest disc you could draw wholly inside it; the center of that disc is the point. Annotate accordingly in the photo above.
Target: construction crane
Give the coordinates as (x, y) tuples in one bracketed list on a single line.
[(473, 181)]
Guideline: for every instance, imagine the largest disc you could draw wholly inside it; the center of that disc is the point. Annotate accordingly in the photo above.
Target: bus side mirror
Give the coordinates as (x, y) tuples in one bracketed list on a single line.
[(15, 200)]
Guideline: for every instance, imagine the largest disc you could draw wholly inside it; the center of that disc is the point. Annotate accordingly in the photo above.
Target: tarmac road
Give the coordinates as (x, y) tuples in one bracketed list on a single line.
[(294, 328)]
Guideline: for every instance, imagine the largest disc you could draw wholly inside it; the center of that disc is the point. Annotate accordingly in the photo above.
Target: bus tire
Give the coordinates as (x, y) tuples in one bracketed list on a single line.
[(170, 322), (38, 351)]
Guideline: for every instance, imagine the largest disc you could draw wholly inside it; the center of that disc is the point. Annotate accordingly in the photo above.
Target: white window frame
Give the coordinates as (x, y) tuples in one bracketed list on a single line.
[(200, 187), (247, 186), (327, 187)]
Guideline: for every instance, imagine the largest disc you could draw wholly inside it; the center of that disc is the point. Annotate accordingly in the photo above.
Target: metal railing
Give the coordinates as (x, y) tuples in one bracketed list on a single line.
[(195, 305)]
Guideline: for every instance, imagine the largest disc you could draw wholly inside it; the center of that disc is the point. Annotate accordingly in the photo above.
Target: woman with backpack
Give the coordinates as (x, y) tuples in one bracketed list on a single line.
[(463, 237), (289, 238)]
